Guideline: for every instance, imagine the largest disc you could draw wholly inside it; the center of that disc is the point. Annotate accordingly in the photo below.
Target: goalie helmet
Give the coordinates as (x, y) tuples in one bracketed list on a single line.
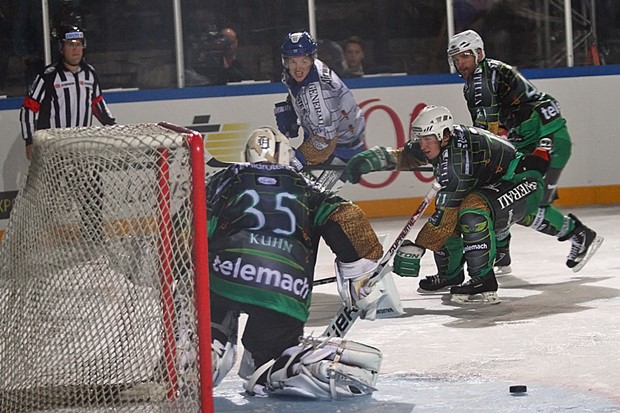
[(70, 33), (464, 41), (298, 44), (432, 120), (267, 144)]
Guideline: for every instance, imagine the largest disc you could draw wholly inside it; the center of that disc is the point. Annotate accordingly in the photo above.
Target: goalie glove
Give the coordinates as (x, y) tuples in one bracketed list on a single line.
[(374, 159), (407, 259), (355, 287), (286, 119)]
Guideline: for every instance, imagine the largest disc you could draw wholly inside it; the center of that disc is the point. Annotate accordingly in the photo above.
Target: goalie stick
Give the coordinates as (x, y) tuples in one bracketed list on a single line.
[(342, 322)]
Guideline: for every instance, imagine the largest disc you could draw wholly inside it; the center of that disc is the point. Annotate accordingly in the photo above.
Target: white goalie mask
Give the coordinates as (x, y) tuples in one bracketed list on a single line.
[(465, 41), (432, 120), (267, 144)]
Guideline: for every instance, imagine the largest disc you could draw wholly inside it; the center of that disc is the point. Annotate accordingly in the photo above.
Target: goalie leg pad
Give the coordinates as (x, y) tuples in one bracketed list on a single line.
[(223, 358), (223, 343), (330, 369)]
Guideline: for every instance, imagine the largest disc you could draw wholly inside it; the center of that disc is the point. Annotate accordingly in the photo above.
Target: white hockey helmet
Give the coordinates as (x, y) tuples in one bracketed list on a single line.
[(267, 144), (464, 41), (432, 120)]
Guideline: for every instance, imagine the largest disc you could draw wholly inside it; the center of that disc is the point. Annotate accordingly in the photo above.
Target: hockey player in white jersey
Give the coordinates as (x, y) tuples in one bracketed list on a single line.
[(333, 124)]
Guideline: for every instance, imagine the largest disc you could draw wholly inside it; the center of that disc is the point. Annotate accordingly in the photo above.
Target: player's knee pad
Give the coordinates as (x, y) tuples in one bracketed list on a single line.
[(329, 369), (473, 224), (223, 357), (478, 239)]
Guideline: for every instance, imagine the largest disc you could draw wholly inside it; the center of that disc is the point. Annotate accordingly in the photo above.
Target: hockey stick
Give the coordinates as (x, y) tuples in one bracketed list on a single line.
[(341, 167), (329, 177), (345, 317), (332, 173)]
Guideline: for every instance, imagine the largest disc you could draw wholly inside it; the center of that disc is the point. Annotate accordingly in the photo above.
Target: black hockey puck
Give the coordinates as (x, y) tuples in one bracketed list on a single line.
[(518, 389)]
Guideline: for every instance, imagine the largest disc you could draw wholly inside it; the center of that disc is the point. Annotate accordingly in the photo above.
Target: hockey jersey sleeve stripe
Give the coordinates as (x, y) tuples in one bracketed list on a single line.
[(31, 104), (97, 100)]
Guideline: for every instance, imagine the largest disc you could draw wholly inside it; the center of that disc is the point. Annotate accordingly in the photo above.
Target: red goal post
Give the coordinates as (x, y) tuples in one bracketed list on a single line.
[(104, 289)]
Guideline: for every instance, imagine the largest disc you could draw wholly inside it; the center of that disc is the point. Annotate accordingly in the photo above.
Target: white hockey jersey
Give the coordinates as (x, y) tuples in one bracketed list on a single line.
[(326, 107)]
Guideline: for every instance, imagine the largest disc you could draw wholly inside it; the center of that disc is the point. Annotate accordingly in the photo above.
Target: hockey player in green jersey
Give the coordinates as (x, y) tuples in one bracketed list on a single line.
[(486, 186), (499, 97), (265, 221)]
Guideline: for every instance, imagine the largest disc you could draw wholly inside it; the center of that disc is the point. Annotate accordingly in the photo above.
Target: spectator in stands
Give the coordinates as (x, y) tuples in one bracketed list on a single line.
[(215, 60), (354, 55), (354, 58), (330, 53), (233, 67)]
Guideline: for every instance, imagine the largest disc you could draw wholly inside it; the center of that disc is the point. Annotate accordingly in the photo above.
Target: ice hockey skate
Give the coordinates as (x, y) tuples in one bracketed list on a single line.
[(585, 243), (477, 290), (502, 261), (437, 283)]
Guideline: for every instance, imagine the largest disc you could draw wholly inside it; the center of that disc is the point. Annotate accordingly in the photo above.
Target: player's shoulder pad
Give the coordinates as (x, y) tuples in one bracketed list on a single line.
[(462, 129), (499, 65), (328, 77)]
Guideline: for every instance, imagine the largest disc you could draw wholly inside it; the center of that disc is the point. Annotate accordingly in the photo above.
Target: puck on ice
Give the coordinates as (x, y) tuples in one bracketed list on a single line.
[(518, 389)]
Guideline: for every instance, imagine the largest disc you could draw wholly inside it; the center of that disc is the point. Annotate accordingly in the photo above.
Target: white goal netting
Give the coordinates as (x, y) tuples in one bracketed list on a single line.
[(98, 274)]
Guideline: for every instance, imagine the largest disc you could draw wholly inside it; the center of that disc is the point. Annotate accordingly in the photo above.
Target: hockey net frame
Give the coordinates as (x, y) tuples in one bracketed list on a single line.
[(104, 290)]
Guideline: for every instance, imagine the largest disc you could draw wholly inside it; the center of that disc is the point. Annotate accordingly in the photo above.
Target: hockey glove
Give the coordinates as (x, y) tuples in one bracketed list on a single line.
[(286, 118), (407, 259), (373, 159)]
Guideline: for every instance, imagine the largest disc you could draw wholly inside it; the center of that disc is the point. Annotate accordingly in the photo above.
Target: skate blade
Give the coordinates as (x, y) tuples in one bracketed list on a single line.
[(482, 298), (441, 291), (502, 270), (592, 250)]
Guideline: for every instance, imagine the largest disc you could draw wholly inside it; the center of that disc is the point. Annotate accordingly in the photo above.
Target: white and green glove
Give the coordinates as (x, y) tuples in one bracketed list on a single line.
[(373, 159), (407, 259)]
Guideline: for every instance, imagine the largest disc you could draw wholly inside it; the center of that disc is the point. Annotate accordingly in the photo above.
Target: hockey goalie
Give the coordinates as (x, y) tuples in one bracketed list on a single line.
[(265, 221)]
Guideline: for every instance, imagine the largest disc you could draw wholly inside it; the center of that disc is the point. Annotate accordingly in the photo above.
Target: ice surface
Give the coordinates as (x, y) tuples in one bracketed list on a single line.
[(556, 331)]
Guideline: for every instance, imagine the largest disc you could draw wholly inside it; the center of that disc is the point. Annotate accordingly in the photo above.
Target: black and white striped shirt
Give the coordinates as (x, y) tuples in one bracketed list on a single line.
[(59, 98)]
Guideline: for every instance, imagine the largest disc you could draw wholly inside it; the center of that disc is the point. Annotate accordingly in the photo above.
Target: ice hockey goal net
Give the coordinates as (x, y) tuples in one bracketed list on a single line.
[(104, 300)]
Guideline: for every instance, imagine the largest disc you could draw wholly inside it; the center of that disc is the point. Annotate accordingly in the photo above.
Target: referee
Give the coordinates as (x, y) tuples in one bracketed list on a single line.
[(67, 94)]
